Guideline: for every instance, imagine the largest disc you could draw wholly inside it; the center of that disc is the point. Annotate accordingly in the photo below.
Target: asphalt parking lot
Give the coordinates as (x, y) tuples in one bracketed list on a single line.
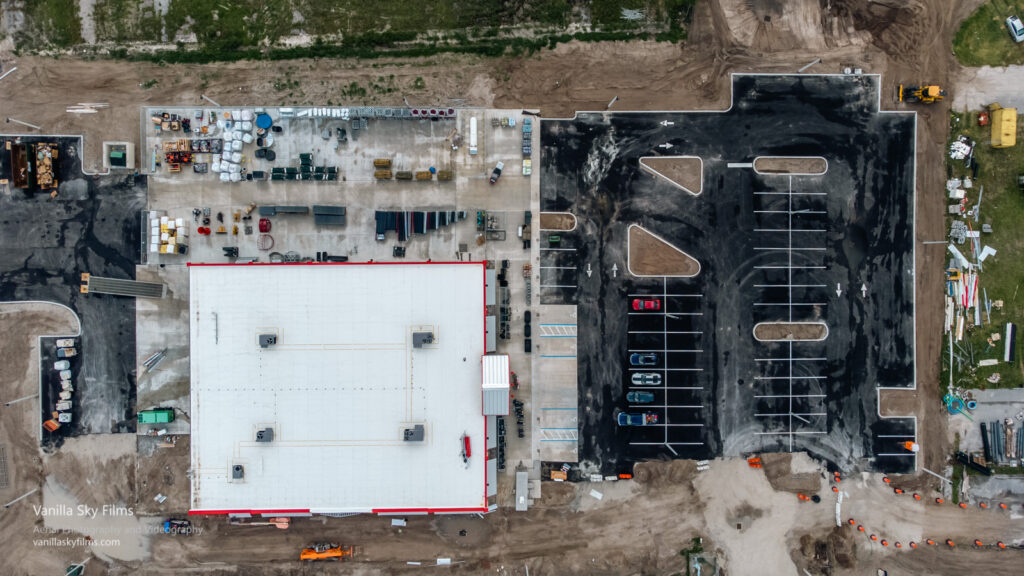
[(835, 248), (91, 226)]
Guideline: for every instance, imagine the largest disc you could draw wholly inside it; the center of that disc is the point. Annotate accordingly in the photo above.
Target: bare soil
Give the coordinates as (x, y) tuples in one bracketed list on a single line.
[(162, 470), (789, 331), (557, 221), (788, 165), (652, 256), (686, 173), (795, 473), (21, 325)]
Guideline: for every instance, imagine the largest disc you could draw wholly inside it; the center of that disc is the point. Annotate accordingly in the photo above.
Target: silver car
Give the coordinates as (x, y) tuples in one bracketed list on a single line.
[(646, 379)]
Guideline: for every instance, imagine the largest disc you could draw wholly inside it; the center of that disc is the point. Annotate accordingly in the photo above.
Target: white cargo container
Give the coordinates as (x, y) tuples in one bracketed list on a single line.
[(472, 135)]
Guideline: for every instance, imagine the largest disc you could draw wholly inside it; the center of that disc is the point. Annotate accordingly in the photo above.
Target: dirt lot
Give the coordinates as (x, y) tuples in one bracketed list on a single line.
[(687, 173), (652, 256), (22, 324), (781, 165), (900, 40), (789, 331), (557, 221)]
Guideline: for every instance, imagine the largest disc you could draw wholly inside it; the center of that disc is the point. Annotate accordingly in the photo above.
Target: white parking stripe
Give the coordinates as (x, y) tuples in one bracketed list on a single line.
[(790, 304), (789, 286), (787, 249)]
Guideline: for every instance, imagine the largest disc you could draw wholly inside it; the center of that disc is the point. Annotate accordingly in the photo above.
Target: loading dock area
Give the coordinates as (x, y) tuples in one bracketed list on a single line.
[(832, 247)]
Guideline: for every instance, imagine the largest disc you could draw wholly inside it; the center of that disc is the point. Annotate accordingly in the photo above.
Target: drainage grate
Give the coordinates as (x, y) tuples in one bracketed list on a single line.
[(3, 467)]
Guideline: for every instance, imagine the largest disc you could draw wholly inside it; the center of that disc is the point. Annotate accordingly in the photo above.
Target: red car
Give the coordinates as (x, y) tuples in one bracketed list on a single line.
[(648, 304)]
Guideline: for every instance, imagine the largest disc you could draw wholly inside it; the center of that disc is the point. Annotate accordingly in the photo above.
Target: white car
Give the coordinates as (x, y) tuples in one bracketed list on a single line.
[(1016, 28), (65, 343), (61, 365)]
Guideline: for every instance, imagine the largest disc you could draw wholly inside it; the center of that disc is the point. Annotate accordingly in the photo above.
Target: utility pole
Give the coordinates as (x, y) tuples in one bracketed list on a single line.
[(21, 399), (210, 100), (9, 120), (8, 72), (22, 497)]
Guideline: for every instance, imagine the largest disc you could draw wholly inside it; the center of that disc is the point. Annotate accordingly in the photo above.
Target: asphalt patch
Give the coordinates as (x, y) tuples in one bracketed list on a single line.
[(92, 225), (836, 248)]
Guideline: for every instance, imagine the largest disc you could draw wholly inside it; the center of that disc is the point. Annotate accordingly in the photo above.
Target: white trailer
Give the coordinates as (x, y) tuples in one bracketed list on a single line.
[(472, 135)]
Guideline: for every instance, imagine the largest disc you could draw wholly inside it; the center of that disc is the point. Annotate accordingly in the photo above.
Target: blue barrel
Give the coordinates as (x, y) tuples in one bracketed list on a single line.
[(263, 121), (972, 404), (433, 170)]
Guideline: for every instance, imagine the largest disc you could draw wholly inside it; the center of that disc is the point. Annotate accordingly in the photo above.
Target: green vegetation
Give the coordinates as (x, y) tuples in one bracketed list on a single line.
[(983, 39), (373, 45), (230, 30), (549, 12), (125, 21), (231, 24), (49, 23), (1002, 206), (324, 17)]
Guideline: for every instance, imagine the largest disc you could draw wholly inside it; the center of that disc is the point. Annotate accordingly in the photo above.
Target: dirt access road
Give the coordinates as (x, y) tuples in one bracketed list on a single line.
[(903, 41)]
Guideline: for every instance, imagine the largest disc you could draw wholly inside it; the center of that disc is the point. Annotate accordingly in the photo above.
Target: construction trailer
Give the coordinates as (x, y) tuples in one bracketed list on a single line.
[(1004, 126)]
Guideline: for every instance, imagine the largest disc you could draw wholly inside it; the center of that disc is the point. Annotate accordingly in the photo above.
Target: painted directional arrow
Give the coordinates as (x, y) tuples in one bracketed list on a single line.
[(615, 270), (666, 145), (666, 123), (864, 290), (589, 271), (839, 290)]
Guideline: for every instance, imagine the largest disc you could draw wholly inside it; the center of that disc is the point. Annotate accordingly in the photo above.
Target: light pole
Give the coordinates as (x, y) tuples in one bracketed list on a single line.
[(9, 120)]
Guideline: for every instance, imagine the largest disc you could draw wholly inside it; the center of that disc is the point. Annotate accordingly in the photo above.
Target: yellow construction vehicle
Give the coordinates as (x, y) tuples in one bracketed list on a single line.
[(326, 552), (924, 94)]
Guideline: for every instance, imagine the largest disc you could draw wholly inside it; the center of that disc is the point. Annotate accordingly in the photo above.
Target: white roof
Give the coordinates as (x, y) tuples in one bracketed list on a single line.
[(339, 387), (495, 371)]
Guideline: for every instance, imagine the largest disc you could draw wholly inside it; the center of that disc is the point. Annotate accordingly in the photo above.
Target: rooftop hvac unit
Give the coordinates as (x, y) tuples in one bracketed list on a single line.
[(237, 472), (413, 434), (267, 340), (421, 338), (265, 435)]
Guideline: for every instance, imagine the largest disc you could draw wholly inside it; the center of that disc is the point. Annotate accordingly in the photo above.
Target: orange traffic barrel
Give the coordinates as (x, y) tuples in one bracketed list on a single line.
[(886, 479), (1001, 545), (983, 504), (1003, 506), (898, 545), (860, 528), (940, 501), (950, 543), (873, 538), (978, 543), (917, 496), (885, 542), (801, 496), (851, 521), (930, 542), (913, 545), (964, 506), (898, 490), (835, 489)]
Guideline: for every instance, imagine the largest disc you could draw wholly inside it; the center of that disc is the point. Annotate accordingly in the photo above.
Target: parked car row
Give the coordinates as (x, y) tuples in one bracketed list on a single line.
[(63, 403)]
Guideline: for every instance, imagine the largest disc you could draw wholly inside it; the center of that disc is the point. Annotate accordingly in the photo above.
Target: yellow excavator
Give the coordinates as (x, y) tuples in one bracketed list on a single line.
[(924, 94)]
